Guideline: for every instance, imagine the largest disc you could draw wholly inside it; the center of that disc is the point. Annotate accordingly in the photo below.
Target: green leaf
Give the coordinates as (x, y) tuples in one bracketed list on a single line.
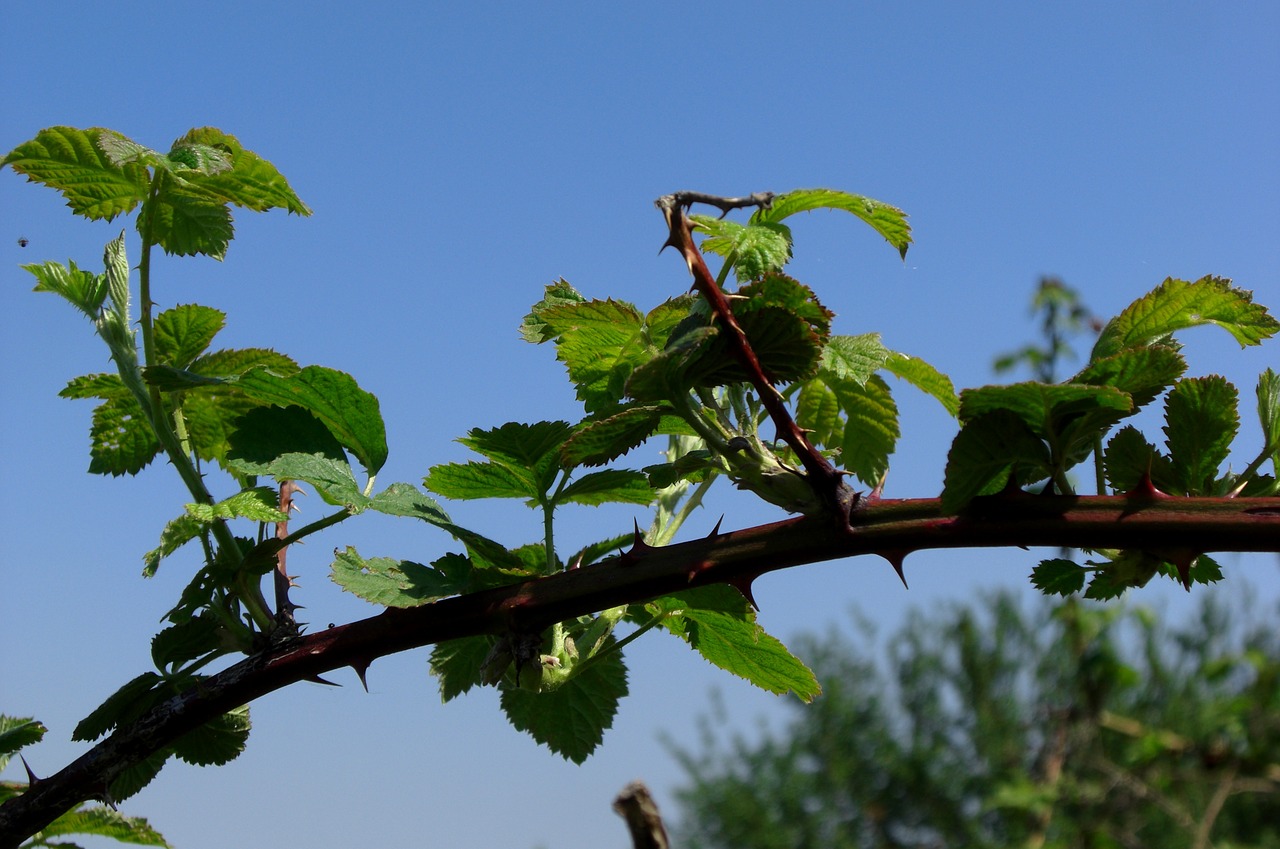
[(924, 377), (1268, 392), (184, 332), (186, 641), (186, 223), (260, 504), (121, 440), (854, 358), (601, 343), (889, 222), (73, 162), (403, 499), (464, 481), (1129, 458), (1176, 305), (871, 429), (1143, 372), (609, 486), (82, 289), (388, 582), (217, 742), (986, 453), (116, 266), (533, 328), (1058, 577), (351, 414), (17, 733), (754, 250), (122, 706), (177, 533), (1044, 407), (596, 442), (457, 664), (264, 434), (571, 719), (105, 822), (332, 478), (1200, 423), (134, 778), (522, 447), (251, 181)]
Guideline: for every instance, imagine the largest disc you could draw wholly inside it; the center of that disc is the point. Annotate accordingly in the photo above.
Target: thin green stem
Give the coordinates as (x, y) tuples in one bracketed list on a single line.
[(318, 525), (672, 526), (619, 645)]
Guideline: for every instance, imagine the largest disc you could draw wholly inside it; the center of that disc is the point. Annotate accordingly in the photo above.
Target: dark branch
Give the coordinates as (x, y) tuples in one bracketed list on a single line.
[(1177, 526), (684, 200)]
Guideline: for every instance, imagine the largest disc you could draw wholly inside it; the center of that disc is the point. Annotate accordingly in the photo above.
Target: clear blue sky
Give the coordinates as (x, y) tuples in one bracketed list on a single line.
[(459, 157)]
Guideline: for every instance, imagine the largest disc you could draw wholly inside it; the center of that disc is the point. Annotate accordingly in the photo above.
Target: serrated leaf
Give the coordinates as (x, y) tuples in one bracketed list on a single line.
[(746, 650), (1177, 305), (533, 328), (611, 486), (818, 412), (186, 223), (465, 481), (184, 332), (72, 162), (594, 443), (251, 181), (217, 742), (351, 414), (1268, 392), (522, 447), (754, 250), (16, 733), (1200, 423), (854, 358), (402, 499), (388, 582), (600, 343), (871, 428), (332, 478), (103, 822), (1143, 372), (924, 377), (264, 434), (1044, 407), (177, 533), (260, 504), (82, 289), (457, 664), (571, 719), (126, 703), (132, 779), (186, 641), (1129, 458), (121, 440), (888, 221), (1058, 577), (986, 453), (116, 272)]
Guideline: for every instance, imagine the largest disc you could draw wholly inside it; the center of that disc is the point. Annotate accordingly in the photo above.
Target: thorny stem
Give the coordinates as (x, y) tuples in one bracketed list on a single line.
[(886, 525), (823, 477)]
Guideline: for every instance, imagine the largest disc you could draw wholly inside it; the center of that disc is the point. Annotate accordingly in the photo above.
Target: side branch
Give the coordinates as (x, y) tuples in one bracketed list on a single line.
[(1174, 527), (824, 478)]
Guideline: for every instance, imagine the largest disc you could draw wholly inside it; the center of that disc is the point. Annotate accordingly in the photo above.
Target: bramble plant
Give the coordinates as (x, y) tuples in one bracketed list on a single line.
[(743, 380)]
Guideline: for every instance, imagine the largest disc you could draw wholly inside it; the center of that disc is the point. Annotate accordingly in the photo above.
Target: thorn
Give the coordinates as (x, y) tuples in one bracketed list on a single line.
[(743, 585), (639, 547), (316, 679), (361, 667), (715, 532), (577, 562), (896, 557), (32, 780), (1145, 490)]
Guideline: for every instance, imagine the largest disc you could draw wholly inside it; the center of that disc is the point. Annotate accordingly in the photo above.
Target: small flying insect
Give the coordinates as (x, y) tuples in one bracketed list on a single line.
[(22, 241)]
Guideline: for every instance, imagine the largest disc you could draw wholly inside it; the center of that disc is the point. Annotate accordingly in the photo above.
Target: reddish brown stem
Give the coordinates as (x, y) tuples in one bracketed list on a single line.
[(283, 583), (826, 480), (1200, 524)]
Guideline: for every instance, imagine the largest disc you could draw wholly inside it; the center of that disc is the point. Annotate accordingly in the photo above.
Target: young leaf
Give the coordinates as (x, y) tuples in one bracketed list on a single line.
[(457, 664), (1143, 372), (754, 250), (1200, 423), (251, 181), (924, 377), (621, 486), (1129, 458), (464, 481), (82, 289), (350, 413), (1058, 577), (533, 328), (986, 453), (186, 641), (184, 332), (521, 447), (332, 478), (186, 223), (73, 162), (100, 821), (177, 533), (121, 707), (1176, 305), (599, 441), (388, 582), (871, 429), (217, 742), (600, 342), (263, 434), (884, 219), (260, 504), (17, 733), (571, 719), (402, 499), (1268, 392), (818, 412), (854, 358)]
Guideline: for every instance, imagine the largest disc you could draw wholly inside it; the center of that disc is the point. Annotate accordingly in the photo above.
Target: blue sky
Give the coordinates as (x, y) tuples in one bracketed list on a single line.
[(461, 156)]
